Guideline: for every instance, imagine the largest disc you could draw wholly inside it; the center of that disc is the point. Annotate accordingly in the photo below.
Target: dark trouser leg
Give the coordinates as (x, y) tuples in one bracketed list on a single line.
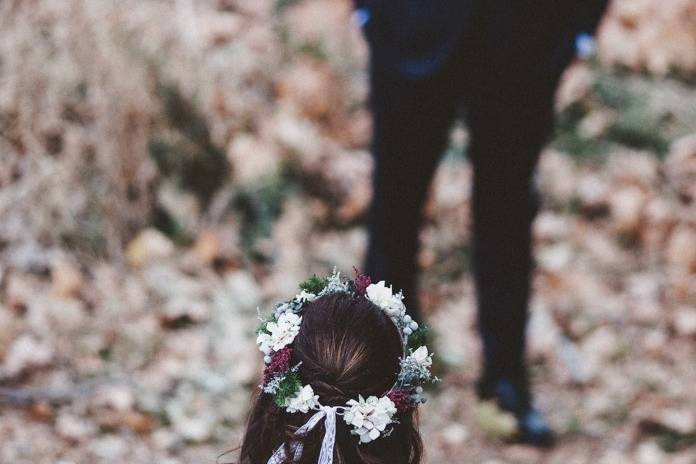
[(411, 127), (525, 48), (506, 138)]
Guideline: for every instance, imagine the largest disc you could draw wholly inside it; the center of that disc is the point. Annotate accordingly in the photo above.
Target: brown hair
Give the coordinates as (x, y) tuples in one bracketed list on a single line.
[(347, 347)]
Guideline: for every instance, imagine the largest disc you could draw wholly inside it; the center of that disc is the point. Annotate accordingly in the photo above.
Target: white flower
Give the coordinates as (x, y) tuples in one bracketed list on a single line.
[(272, 386), (303, 401), (415, 368), (369, 417), (280, 333), (265, 343), (283, 308), (305, 296), (382, 296), (379, 294), (422, 357), (396, 308), (334, 284)]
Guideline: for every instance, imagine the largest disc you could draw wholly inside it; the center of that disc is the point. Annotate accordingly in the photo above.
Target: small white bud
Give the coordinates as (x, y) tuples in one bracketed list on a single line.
[(408, 331), (419, 389), (267, 359), (413, 325), (407, 318)]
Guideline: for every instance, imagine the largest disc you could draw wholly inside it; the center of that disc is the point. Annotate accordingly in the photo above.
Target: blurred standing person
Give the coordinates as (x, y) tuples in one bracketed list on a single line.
[(501, 61)]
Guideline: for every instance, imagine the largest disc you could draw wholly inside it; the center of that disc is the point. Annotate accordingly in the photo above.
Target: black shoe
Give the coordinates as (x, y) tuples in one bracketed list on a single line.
[(532, 427)]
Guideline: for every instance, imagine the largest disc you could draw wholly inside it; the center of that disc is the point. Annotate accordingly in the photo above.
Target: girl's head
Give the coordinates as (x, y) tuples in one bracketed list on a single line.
[(346, 348)]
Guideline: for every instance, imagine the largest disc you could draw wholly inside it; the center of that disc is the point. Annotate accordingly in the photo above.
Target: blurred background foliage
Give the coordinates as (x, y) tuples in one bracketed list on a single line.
[(170, 166)]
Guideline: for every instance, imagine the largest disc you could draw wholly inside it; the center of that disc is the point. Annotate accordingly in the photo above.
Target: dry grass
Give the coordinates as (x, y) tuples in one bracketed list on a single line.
[(164, 165)]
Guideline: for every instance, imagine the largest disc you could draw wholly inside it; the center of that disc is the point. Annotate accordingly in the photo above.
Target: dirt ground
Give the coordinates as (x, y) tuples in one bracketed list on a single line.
[(168, 167)]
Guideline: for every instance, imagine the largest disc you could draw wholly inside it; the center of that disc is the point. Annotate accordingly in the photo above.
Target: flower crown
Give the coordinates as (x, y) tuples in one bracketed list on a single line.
[(370, 417)]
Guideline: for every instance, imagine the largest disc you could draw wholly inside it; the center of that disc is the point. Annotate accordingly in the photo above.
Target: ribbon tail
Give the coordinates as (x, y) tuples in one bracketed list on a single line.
[(327, 444), (279, 455), (296, 448)]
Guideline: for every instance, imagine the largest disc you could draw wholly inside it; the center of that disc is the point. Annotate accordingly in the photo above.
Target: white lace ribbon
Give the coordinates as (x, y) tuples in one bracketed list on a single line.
[(327, 444)]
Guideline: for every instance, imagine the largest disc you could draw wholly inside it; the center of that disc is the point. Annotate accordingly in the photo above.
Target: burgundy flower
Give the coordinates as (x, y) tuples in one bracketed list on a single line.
[(402, 398), (280, 362), (362, 281)]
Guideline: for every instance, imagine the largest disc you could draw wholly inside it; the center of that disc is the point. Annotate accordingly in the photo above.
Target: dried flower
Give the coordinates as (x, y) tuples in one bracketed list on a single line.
[(361, 282), (415, 368), (403, 398), (280, 362)]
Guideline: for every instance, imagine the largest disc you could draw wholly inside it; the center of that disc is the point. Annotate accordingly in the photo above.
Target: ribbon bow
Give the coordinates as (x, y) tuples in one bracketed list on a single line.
[(327, 445)]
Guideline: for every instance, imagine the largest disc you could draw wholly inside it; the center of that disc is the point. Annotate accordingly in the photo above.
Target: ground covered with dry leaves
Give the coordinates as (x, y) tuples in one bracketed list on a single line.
[(170, 166)]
